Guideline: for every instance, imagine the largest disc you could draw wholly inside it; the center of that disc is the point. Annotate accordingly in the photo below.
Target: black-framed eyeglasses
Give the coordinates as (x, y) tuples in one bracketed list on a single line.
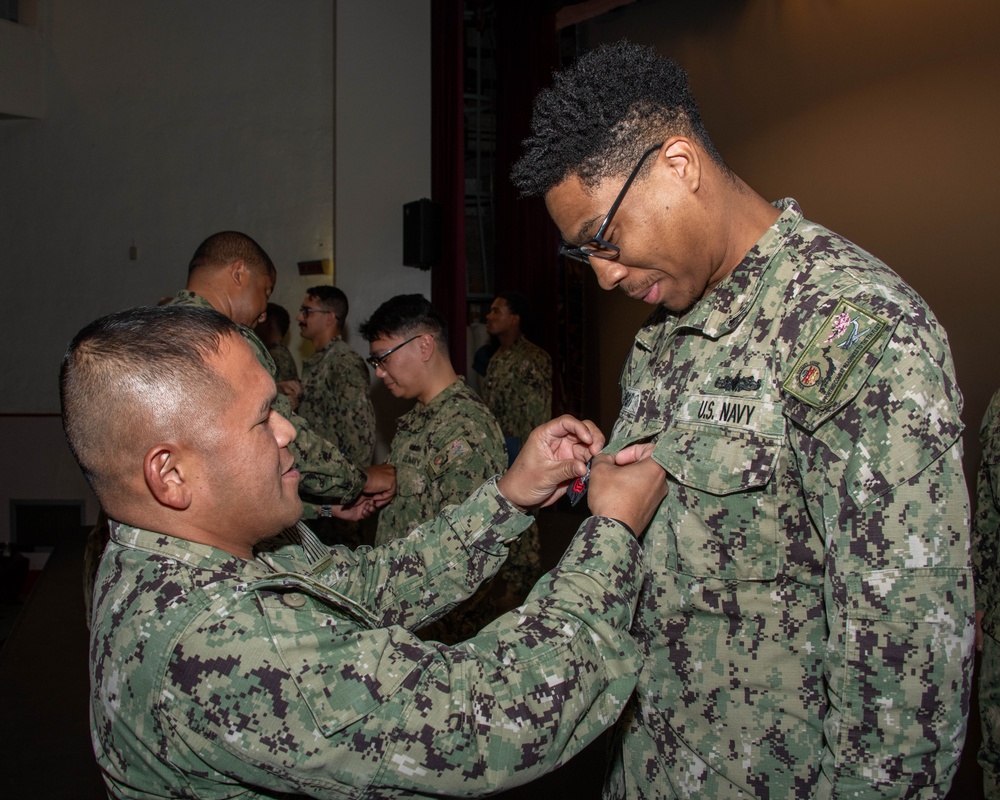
[(597, 247), (379, 360), (305, 311)]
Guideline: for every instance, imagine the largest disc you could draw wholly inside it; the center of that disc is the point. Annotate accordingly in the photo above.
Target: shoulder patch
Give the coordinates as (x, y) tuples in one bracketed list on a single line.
[(846, 335), (452, 450), (448, 458)]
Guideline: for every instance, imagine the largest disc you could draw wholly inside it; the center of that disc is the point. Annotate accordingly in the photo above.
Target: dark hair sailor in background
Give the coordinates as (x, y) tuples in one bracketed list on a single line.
[(231, 654), (806, 617)]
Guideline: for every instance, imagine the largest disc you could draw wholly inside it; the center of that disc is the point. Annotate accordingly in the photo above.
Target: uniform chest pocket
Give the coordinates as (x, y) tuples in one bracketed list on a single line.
[(720, 518), (342, 671)]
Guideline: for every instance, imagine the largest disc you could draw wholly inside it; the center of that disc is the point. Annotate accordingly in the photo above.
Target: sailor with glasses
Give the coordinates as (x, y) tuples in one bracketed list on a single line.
[(444, 448), (806, 609)]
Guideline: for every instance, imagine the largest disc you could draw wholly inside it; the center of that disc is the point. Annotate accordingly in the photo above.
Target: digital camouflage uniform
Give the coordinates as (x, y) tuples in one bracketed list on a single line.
[(442, 452), (284, 363), (806, 615), (986, 552), (518, 390), (296, 672), (325, 471), (336, 399)]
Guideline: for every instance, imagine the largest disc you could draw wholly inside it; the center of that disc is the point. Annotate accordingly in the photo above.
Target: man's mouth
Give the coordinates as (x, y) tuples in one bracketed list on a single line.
[(646, 293)]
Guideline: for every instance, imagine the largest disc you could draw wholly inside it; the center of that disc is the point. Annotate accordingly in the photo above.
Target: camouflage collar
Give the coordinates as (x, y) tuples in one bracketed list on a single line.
[(192, 554), (721, 310), (318, 351), (188, 298), (458, 387)]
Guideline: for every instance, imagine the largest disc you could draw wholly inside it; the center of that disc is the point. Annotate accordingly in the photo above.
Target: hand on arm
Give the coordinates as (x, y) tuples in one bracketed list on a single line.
[(628, 487), (554, 454), (292, 390), (381, 485), (359, 509)]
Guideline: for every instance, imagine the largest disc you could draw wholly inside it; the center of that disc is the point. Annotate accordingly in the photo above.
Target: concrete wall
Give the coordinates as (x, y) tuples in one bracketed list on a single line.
[(879, 118), (167, 120), (383, 161)]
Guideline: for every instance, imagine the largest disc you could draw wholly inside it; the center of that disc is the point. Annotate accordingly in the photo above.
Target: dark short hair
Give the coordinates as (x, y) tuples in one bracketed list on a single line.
[(225, 247), (138, 369), (405, 315), (518, 304), (331, 298), (602, 113), (279, 316)]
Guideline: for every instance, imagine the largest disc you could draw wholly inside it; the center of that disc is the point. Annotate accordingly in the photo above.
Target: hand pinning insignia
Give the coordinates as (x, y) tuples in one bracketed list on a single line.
[(578, 488)]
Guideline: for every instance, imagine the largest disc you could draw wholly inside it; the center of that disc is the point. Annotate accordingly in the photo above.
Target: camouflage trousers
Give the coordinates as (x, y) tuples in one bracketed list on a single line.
[(989, 709)]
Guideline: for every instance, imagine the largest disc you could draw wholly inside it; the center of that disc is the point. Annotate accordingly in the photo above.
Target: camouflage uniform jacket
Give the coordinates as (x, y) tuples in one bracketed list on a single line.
[(518, 388), (806, 615), (336, 399), (325, 471), (442, 451), (295, 672), (284, 363), (986, 523)]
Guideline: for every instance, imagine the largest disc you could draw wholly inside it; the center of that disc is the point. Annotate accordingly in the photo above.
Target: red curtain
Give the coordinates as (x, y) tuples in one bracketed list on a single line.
[(448, 169), (527, 240), (525, 261)]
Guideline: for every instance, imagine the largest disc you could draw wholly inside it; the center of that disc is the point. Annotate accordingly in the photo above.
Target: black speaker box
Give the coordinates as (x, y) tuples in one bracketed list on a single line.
[(422, 233)]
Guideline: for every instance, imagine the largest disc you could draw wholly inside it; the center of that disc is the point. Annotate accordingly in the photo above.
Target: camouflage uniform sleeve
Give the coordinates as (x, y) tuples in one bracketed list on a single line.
[(337, 402), (986, 523), (284, 364), (320, 704), (457, 550), (355, 408), (326, 472), (882, 471)]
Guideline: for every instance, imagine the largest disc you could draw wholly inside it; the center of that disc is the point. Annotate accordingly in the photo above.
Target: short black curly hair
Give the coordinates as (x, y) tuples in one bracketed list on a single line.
[(602, 113)]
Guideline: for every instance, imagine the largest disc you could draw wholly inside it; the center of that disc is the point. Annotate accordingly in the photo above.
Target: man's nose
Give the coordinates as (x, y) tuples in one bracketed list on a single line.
[(284, 431), (609, 272)]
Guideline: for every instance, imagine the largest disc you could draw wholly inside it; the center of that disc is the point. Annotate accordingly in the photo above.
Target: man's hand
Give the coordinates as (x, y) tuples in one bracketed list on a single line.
[(360, 509), (292, 390), (553, 455), (381, 485), (628, 486)]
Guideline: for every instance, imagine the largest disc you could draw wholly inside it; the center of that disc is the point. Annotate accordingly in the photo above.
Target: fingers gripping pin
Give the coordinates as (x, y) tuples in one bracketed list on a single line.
[(578, 488)]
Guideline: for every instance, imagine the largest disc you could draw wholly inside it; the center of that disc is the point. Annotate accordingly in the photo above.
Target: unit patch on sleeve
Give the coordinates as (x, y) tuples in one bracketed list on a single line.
[(846, 335)]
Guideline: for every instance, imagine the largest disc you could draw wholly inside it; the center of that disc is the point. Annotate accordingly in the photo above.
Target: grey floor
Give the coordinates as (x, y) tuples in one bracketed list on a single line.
[(44, 732)]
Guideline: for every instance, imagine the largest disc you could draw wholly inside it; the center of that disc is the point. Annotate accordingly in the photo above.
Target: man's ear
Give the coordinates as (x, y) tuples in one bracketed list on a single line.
[(427, 344), (237, 271), (683, 160), (166, 476)]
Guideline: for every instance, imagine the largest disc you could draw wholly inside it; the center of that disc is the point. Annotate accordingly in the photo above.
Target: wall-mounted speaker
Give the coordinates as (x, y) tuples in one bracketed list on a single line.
[(422, 233)]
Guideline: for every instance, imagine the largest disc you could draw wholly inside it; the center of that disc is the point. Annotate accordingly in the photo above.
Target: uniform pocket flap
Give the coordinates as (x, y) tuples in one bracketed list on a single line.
[(716, 459), (343, 672)]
